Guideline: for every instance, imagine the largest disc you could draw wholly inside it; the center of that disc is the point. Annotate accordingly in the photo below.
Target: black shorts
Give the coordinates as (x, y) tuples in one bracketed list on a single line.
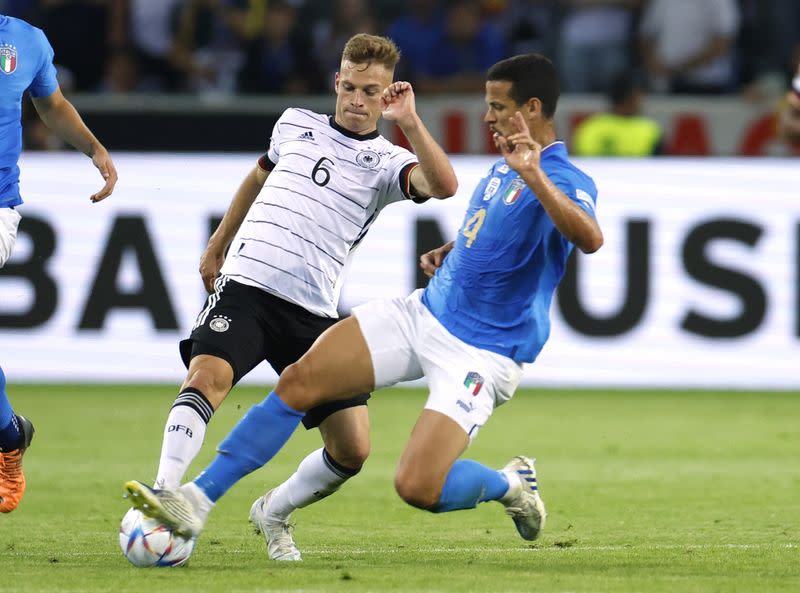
[(245, 325)]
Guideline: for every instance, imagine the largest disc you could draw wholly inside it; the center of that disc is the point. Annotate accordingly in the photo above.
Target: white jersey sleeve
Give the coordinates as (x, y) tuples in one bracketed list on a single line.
[(399, 165), (274, 153)]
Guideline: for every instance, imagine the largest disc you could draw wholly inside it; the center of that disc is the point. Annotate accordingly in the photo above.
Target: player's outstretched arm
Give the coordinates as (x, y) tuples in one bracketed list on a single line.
[(59, 115), (214, 256), (523, 154), (435, 177)]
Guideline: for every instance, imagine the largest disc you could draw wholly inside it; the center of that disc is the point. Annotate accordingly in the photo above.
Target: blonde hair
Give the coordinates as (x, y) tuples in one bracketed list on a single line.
[(365, 49)]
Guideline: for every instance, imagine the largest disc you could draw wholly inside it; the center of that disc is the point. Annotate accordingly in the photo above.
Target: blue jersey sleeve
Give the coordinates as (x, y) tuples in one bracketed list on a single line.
[(584, 197), (44, 81)]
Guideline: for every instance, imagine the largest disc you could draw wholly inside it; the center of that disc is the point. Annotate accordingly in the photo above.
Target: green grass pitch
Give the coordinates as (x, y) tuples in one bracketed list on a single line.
[(646, 491)]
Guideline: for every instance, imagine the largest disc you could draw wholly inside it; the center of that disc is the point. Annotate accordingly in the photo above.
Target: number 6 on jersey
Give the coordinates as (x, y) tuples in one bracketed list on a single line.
[(319, 174)]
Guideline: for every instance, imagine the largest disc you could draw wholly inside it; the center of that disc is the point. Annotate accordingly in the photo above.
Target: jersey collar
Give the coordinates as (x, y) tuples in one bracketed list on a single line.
[(555, 147), (349, 134)]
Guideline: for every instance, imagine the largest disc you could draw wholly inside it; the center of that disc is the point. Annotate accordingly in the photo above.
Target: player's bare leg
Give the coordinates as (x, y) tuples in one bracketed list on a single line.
[(430, 476), (212, 375), (337, 366), (346, 437), (435, 444), (207, 383)]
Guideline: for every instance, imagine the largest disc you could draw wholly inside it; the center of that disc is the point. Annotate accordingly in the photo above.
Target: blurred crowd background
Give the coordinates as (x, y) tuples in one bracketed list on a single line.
[(710, 47)]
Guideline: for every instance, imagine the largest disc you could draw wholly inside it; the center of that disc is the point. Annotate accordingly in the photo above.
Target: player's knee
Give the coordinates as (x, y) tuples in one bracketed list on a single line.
[(214, 385), (351, 454), (415, 492), (295, 386)]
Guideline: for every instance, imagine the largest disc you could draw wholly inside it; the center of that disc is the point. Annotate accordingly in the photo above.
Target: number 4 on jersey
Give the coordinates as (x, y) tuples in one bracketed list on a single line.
[(473, 225)]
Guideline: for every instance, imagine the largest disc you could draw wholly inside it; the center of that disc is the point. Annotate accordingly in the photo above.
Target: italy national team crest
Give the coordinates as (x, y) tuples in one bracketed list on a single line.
[(8, 58), (513, 192), (473, 382)]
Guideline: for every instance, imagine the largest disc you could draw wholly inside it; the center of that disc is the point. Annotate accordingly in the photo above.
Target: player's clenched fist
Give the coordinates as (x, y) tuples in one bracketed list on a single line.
[(397, 101)]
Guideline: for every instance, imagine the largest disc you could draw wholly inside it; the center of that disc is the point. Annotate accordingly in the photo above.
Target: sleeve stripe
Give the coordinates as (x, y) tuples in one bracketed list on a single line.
[(405, 178), (266, 163), (585, 201)]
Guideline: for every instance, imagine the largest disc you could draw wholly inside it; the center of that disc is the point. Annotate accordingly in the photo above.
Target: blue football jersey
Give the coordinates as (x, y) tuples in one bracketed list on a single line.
[(26, 63), (494, 288)]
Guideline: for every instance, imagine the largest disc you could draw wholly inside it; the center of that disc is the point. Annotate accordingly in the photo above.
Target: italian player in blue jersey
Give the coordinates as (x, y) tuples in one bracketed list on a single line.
[(26, 64), (483, 315)]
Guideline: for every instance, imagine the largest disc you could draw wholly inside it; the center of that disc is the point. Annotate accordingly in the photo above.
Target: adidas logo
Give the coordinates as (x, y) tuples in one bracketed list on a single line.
[(306, 136)]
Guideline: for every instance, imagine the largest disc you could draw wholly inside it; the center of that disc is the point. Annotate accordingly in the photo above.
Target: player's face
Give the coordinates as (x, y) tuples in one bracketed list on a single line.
[(358, 95), (500, 107)]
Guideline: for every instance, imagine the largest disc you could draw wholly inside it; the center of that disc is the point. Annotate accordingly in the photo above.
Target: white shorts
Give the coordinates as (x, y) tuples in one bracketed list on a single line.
[(9, 221), (407, 342)]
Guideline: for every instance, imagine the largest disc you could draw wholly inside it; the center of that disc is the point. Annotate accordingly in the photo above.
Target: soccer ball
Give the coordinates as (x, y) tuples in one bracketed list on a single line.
[(146, 542)]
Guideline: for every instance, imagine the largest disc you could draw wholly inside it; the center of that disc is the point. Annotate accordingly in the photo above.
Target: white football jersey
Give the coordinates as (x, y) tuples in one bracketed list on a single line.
[(325, 190)]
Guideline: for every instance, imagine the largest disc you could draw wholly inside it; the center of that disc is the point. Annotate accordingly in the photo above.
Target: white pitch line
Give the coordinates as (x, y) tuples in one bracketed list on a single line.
[(553, 547), (539, 549)]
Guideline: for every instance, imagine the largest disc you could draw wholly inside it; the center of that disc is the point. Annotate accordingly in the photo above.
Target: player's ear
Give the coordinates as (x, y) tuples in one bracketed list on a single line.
[(533, 108), (336, 82)]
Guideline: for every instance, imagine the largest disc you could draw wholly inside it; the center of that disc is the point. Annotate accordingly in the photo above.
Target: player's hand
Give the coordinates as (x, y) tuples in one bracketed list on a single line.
[(793, 101), (521, 151), (210, 264), (432, 260), (102, 160), (398, 103)]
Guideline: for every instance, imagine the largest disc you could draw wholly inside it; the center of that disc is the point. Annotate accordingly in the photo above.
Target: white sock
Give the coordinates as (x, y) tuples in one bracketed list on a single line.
[(183, 437), (198, 499), (316, 477), (514, 486)]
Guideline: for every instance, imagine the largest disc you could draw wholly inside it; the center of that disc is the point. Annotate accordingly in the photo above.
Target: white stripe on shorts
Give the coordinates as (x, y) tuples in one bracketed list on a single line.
[(213, 299)]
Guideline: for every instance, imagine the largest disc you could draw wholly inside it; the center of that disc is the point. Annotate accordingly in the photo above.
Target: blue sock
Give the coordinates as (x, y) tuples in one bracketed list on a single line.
[(10, 435), (469, 483), (255, 440)]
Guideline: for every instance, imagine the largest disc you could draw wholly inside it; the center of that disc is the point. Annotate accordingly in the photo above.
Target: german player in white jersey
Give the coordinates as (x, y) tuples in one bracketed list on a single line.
[(290, 229)]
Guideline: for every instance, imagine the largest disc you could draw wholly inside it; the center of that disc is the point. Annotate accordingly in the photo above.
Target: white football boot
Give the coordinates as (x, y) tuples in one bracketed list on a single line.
[(278, 534), (522, 501), (184, 510)]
